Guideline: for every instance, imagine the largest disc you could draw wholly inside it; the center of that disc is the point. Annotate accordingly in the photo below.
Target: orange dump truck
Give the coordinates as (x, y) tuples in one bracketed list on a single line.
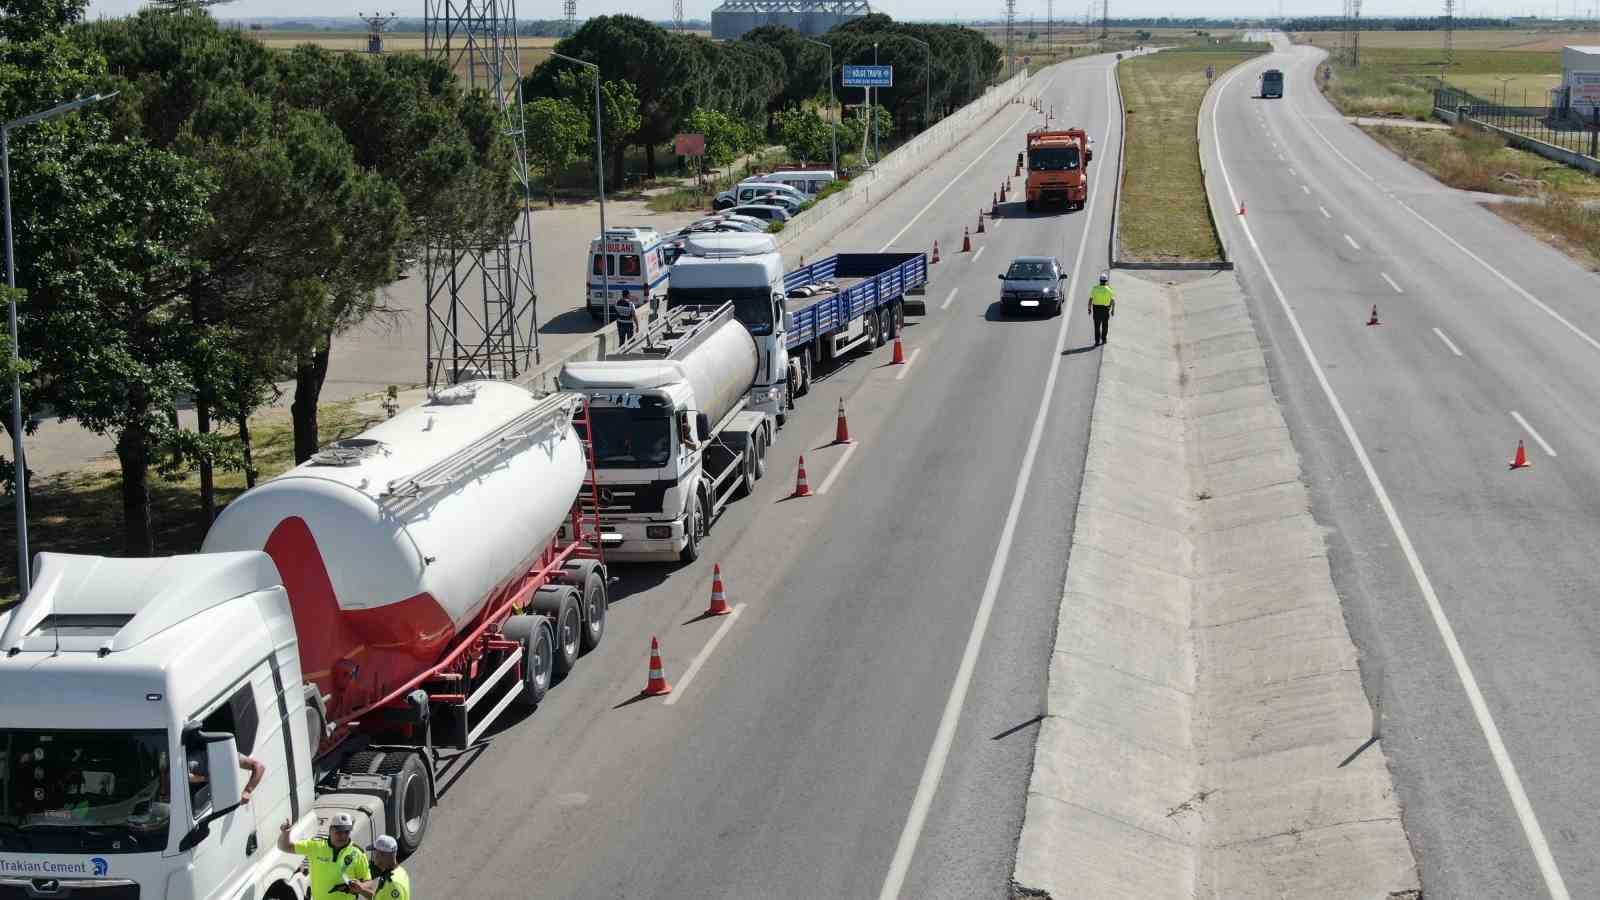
[(1058, 168)]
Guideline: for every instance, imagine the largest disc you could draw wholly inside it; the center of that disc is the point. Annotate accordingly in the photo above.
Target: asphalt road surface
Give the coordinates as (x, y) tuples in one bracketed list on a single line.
[(792, 762), (1470, 588)]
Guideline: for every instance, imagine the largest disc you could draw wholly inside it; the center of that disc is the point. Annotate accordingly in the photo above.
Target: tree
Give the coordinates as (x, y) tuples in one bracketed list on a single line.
[(805, 134), (620, 119), (724, 135), (561, 131)]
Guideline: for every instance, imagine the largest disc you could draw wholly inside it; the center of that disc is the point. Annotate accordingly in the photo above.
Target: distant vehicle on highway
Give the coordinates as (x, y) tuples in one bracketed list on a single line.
[(1271, 84), (764, 211), (1033, 284)]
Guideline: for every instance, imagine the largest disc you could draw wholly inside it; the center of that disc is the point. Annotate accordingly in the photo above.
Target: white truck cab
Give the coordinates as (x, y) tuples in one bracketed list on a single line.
[(747, 271)]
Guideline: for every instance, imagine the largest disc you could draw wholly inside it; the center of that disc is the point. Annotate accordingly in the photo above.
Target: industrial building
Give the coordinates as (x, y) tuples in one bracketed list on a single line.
[(735, 17)]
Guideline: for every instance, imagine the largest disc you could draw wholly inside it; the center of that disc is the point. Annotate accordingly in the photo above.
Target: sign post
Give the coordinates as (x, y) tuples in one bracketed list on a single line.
[(867, 78)]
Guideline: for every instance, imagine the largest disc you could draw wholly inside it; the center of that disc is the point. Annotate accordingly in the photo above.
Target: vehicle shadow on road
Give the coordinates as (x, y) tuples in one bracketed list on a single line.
[(573, 321), (997, 313), (636, 578)]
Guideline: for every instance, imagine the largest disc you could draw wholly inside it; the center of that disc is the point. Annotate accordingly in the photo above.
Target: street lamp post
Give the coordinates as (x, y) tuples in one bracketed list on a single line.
[(600, 183), (833, 111), (18, 457), (872, 109), (927, 83)]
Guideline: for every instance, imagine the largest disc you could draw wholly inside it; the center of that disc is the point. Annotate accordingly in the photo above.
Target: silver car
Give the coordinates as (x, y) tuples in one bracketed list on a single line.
[(1033, 284)]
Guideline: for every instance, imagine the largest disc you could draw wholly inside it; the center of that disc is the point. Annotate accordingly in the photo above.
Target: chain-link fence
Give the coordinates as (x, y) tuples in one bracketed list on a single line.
[(1559, 124)]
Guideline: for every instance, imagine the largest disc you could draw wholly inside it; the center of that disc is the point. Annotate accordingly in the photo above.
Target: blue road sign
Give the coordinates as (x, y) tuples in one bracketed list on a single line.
[(869, 76)]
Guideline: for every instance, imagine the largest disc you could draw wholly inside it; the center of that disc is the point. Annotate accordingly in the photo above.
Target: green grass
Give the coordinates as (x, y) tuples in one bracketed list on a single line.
[(1164, 213), (1399, 81), (1479, 161), (81, 512)]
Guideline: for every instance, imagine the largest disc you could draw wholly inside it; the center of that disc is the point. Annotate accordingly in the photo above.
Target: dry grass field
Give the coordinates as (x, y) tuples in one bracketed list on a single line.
[(1464, 40), (531, 50)]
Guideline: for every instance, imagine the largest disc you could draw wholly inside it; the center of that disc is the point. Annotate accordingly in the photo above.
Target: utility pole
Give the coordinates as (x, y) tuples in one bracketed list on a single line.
[(1449, 32), (377, 24), (1355, 35), (1105, 19), (1050, 27), (569, 15), (677, 15), (1011, 24)]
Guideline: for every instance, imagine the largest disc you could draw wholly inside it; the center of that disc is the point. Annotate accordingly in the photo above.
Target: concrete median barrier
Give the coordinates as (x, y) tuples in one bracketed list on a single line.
[(1205, 731)]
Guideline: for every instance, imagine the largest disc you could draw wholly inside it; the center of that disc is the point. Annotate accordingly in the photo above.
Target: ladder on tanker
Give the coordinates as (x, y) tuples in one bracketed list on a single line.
[(674, 332)]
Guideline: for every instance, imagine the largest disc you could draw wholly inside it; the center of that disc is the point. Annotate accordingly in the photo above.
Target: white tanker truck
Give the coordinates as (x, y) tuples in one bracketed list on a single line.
[(342, 624)]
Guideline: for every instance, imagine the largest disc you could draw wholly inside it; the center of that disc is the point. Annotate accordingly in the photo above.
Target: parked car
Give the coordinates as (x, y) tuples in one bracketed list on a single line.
[(755, 192), (1033, 284), (810, 181), (764, 211)]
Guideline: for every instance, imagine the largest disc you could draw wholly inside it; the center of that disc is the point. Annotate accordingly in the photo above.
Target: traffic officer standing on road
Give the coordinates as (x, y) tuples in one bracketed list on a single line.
[(390, 880), (335, 862), (1102, 305), (626, 312)]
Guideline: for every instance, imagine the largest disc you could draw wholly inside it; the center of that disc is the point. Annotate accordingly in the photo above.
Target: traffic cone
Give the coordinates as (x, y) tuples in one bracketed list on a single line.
[(1002, 192), (980, 221), (994, 205), (719, 599), (841, 434), (1374, 319), (1521, 460), (656, 684), (801, 488), (935, 252), (899, 353), (966, 241), (1241, 207)]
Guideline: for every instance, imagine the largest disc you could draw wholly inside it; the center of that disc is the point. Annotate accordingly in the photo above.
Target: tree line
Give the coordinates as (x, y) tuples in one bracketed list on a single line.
[(203, 236), (659, 83)]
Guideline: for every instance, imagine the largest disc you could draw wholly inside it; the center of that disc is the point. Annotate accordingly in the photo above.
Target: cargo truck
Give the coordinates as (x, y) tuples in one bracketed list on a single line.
[(1058, 168), (684, 415), (347, 624), (1272, 84)]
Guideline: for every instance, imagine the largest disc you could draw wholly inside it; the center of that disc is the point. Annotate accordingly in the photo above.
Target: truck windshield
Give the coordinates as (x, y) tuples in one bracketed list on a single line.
[(69, 791), (631, 438), (752, 305), (1053, 159)]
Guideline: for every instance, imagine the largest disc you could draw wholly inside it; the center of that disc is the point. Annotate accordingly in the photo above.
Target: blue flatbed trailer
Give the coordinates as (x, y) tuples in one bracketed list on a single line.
[(872, 282)]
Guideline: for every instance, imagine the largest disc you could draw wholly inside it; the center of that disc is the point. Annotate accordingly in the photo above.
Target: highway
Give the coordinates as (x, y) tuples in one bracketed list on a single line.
[(1469, 587), (864, 725)]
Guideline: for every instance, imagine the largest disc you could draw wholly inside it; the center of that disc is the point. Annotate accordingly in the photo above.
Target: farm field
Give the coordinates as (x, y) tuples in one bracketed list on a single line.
[(1399, 81), (531, 50), (1529, 39)]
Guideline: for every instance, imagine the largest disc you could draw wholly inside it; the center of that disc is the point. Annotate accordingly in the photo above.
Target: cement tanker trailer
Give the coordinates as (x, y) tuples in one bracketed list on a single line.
[(343, 624), (675, 436)]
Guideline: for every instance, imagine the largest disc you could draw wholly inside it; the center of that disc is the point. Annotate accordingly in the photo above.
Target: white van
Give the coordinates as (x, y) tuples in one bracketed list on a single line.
[(810, 181), (634, 262)]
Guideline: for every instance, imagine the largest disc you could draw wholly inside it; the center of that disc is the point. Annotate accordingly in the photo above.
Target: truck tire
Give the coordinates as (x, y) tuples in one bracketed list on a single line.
[(693, 531), (805, 371), (560, 603), (413, 798), (595, 608), (874, 335), (761, 455), (892, 320), (538, 656)]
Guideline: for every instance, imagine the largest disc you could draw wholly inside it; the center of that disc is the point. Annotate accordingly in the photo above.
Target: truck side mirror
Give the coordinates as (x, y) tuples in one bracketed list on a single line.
[(222, 774), (702, 425)]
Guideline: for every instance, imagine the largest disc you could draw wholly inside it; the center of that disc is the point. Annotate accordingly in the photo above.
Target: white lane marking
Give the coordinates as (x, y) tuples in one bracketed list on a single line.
[(1306, 189), (1549, 450), (1469, 682), (838, 467), (1447, 342), (704, 654), (1583, 335), (1280, 157), (905, 368), (1397, 288), (979, 158), (949, 298), (979, 253), (1291, 170), (1352, 242), (933, 769), (1325, 213), (994, 223)]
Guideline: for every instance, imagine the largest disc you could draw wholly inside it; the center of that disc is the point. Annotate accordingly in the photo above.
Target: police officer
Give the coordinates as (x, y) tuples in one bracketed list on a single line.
[(626, 313), (336, 863), (1102, 305), (390, 880)]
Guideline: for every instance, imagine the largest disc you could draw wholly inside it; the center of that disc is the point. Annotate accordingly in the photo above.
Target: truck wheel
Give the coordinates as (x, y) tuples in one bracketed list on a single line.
[(538, 656), (413, 799), (805, 371), (761, 455), (874, 334), (595, 608), (693, 528), (560, 603), (891, 323)]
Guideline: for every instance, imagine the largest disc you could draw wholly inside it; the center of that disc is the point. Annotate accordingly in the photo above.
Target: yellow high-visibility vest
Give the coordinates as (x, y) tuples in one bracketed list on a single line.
[(1101, 295)]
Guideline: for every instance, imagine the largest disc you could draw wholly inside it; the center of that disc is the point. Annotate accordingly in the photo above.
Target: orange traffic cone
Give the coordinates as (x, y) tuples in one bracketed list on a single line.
[(966, 241), (841, 434), (719, 599), (801, 488), (1374, 319), (1521, 460), (980, 221), (994, 205), (935, 253), (1241, 207), (1002, 192), (656, 684), (899, 353)]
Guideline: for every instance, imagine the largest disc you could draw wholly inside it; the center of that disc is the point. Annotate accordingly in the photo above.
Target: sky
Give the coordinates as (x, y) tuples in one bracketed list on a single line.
[(900, 9)]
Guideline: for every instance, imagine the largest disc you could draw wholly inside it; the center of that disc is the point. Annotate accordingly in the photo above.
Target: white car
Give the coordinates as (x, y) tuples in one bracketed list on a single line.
[(764, 211), (757, 192)]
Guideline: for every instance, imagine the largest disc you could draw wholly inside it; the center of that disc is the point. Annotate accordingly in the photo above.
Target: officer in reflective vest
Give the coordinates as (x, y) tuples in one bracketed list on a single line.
[(626, 312), (390, 881), (336, 864), (1102, 305)]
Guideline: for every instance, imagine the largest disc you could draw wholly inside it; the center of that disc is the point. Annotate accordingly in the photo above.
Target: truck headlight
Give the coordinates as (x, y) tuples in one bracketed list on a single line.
[(658, 532)]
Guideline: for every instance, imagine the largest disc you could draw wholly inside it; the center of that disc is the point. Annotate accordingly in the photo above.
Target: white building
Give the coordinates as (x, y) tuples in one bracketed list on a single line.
[(1580, 75)]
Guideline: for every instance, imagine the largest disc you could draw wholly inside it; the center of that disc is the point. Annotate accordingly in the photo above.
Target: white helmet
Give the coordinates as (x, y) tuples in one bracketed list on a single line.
[(1105, 277)]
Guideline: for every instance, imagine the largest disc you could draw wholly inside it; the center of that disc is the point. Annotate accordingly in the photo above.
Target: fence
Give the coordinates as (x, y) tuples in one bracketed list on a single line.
[(1557, 125)]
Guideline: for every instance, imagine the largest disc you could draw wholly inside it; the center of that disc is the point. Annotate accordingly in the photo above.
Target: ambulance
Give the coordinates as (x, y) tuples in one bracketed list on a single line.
[(633, 260)]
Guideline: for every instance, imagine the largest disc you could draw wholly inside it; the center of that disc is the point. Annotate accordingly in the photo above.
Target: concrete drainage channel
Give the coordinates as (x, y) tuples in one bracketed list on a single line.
[(1205, 730)]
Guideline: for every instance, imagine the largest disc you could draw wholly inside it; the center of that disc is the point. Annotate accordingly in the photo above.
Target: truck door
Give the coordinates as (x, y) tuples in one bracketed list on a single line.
[(232, 846)]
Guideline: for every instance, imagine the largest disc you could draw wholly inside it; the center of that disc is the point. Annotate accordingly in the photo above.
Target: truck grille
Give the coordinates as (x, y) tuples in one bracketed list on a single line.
[(66, 889), (640, 497)]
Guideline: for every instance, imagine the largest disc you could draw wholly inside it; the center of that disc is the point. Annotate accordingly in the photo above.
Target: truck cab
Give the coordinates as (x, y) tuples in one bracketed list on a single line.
[(1058, 167)]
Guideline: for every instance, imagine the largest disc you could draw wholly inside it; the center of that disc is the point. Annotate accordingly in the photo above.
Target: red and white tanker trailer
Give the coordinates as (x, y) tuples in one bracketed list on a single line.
[(349, 624)]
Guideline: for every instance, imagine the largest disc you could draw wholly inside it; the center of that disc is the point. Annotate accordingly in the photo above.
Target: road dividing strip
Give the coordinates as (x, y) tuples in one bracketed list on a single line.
[(933, 768), (904, 369), (1352, 242), (1447, 342), (949, 298), (1548, 450), (1397, 288), (838, 466), (978, 254), (704, 654), (1469, 682)]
